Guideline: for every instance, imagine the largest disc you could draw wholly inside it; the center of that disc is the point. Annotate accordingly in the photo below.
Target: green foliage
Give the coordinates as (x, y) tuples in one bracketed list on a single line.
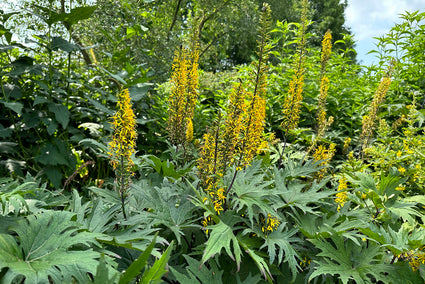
[(61, 213), (350, 261), (222, 236), (46, 245), (152, 275), (198, 273)]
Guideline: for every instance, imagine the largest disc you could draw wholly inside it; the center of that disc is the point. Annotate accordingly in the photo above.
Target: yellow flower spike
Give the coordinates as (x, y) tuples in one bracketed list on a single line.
[(293, 100), (123, 143), (122, 146), (324, 84), (324, 155), (341, 196), (326, 48), (347, 142), (368, 122), (238, 134), (184, 94), (189, 130)]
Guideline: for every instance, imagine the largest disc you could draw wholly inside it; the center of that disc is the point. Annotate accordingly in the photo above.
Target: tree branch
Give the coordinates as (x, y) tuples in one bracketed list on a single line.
[(207, 18), (176, 12)]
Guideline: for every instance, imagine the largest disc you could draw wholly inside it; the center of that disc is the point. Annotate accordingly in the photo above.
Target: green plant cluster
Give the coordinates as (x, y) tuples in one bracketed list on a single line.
[(292, 215)]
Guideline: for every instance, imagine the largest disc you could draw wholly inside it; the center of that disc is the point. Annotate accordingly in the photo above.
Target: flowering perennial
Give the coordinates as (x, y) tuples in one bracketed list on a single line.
[(341, 196), (184, 94), (324, 156), (322, 122), (326, 49), (414, 257), (123, 143), (292, 102), (368, 121), (239, 138)]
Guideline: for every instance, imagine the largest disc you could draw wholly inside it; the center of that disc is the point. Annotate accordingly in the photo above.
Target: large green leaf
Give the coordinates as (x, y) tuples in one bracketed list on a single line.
[(283, 242), (151, 275), (250, 193), (408, 211), (168, 207), (350, 261), (165, 168), (296, 194), (46, 247), (396, 241), (104, 274), (260, 262), (198, 273), (15, 106), (222, 236), (62, 114), (137, 266), (76, 14), (8, 147), (51, 155), (12, 196)]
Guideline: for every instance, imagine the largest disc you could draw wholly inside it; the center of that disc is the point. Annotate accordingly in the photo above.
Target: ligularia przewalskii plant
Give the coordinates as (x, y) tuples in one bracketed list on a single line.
[(123, 144), (237, 141), (302, 209)]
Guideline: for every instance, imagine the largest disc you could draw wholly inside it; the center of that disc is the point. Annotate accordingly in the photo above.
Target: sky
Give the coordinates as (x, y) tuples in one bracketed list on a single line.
[(373, 18)]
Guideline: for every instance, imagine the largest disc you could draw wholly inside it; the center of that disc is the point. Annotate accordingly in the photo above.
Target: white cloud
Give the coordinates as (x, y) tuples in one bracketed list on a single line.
[(373, 18), (368, 18)]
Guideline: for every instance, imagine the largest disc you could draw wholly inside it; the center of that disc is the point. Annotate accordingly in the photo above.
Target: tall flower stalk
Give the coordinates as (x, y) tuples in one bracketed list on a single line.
[(292, 102), (123, 144), (322, 122), (323, 155), (369, 120), (184, 94), (238, 139)]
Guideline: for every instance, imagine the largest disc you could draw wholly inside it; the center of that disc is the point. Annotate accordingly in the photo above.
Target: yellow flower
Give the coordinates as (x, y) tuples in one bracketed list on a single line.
[(324, 156), (401, 170), (123, 143), (399, 153), (189, 130), (347, 142), (218, 208), (270, 224), (326, 48), (293, 100), (400, 188), (341, 196), (414, 257), (184, 93), (369, 120), (205, 222)]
